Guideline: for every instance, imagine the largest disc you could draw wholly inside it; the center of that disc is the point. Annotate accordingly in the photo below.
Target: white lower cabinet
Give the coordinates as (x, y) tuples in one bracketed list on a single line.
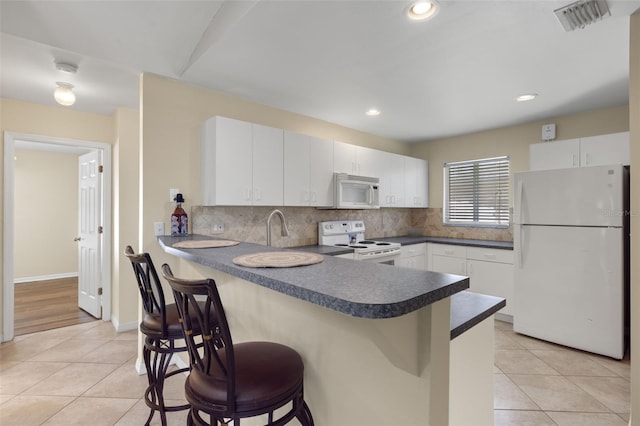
[(413, 256), (490, 271)]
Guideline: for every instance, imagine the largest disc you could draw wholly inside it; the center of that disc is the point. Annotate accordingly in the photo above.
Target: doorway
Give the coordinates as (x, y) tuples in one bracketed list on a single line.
[(62, 148)]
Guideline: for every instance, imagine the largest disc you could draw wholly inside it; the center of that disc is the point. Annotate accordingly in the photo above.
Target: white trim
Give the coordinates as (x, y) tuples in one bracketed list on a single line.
[(7, 244), (8, 296), (128, 326), (175, 359), (44, 277)]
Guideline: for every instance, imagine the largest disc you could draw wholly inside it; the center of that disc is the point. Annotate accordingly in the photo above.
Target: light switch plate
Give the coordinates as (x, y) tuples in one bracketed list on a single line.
[(172, 194), (158, 228)]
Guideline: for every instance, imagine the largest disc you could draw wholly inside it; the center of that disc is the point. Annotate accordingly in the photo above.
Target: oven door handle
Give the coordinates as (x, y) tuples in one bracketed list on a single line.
[(377, 254)]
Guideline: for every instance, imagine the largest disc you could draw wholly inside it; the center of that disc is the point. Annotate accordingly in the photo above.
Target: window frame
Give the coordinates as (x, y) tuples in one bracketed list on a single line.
[(475, 205)]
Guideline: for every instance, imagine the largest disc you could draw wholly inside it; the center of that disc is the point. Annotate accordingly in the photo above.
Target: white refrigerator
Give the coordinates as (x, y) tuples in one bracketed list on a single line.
[(571, 250)]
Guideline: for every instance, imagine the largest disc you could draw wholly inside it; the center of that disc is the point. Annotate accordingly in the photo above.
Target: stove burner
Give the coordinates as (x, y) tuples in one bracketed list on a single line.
[(358, 246), (366, 242), (383, 244), (342, 245)]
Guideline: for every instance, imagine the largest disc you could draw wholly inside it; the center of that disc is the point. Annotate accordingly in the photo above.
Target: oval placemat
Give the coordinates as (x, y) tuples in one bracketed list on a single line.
[(205, 244), (278, 259)]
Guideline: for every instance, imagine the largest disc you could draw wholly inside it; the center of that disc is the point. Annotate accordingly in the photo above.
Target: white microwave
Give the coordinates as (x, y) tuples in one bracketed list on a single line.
[(355, 192)]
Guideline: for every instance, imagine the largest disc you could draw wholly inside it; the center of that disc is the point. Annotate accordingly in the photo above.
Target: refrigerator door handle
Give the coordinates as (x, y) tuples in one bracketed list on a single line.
[(521, 247), (518, 207)]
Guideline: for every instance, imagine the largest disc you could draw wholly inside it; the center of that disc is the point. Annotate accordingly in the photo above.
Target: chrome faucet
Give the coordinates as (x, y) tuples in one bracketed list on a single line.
[(285, 230)]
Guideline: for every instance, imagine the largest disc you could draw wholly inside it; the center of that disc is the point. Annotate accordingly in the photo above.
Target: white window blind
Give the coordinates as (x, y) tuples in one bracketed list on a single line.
[(476, 192)]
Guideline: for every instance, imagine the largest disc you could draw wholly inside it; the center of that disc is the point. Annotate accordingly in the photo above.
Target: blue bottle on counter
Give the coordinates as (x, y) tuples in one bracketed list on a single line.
[(179, 219)]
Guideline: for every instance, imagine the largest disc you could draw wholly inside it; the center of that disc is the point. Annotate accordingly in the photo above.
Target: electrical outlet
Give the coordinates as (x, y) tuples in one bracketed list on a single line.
[(158, 228), (217, 228), (172, 194)]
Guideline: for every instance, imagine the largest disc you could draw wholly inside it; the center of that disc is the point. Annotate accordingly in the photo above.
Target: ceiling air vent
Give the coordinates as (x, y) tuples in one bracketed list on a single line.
[(582, 13)]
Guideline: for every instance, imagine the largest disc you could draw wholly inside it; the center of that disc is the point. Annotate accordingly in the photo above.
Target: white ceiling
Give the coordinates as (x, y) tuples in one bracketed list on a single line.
[(328, 59)]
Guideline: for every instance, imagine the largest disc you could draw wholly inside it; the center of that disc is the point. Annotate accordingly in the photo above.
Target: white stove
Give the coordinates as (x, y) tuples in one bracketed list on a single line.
[(350, 233)]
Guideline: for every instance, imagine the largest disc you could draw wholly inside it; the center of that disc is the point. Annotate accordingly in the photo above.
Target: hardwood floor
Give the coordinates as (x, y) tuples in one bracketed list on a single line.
[(43, 305)]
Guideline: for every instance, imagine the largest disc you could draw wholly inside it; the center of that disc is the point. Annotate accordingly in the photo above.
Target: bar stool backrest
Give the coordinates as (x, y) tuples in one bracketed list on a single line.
[(149, 285), (216, 358)]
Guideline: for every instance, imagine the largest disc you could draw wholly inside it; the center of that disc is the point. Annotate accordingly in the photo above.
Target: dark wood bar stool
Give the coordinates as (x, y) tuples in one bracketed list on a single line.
[(161, 327), (229, 382)]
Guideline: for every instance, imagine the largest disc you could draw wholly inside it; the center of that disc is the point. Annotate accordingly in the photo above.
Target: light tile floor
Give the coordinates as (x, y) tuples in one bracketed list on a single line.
[(540, 383), (85, 375), (79, 375)]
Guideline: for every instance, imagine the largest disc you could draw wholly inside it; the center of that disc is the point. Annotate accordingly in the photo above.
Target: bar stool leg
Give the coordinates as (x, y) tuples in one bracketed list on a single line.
[(157, 366)]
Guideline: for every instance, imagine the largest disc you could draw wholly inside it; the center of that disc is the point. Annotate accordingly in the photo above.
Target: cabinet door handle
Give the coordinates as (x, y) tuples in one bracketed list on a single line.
[(448, 251), (490, 256)]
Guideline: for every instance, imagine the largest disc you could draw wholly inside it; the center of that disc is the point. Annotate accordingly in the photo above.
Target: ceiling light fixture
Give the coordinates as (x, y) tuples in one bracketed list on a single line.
[(372, 112), (64, 94), (423, 9), (526, 97), (582, 13)]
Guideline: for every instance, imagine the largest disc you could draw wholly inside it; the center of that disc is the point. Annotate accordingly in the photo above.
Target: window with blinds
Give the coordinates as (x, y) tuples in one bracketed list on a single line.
[(476, 192)]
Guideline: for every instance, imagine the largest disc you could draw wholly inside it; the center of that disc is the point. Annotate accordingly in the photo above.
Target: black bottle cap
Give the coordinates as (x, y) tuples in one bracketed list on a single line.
[(179, 198)]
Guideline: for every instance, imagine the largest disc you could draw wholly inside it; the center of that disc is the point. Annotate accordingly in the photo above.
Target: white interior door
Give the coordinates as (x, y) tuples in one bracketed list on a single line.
[(90, 233)]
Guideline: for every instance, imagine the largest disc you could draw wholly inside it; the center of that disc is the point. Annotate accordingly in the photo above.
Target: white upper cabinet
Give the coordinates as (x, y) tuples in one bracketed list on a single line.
[(308, 171), (241, 163), (355, 160), (554, 155), (247, 164), (344, 158), (392, 179), (416, 177), (267, 166), (603, 150), (598, 150)]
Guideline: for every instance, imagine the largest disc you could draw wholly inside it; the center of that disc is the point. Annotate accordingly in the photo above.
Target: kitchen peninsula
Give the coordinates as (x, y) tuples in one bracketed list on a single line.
[(375, 340)]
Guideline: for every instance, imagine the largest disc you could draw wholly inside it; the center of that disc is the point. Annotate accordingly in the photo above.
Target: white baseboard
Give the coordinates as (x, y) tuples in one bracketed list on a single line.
[(127, 326), (504, 317), (175, 359), (45, 277)]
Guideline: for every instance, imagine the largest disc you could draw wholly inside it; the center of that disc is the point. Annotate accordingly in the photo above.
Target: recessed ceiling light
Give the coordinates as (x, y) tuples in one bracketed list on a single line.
[(422, 9), (372, 112), (526, 97)]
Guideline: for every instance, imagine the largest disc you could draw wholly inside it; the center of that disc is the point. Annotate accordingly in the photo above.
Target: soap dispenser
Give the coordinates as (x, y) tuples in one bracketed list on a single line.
[(179, 220)]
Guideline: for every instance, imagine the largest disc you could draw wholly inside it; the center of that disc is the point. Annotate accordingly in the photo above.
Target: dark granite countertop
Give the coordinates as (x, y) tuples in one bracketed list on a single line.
[(469, 309), (377, 291), (407, 240)]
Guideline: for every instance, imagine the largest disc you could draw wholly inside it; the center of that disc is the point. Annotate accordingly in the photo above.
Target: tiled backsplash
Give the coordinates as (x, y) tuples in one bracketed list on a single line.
[(428, 222), (250, 224)]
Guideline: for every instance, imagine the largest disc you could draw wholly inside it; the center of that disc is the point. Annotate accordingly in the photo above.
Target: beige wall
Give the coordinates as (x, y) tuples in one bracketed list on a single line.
[(121, 129), (634, 115), (513, 141), (126, 217), (172, 114), (46, 214)]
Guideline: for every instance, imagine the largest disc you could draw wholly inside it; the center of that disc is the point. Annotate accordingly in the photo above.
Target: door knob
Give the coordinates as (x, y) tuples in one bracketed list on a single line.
[(76, 239)]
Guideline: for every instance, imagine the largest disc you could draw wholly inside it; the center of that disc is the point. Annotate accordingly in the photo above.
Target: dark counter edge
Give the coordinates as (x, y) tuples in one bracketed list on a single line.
[(353, 309), (408, 240), (469, 309)]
